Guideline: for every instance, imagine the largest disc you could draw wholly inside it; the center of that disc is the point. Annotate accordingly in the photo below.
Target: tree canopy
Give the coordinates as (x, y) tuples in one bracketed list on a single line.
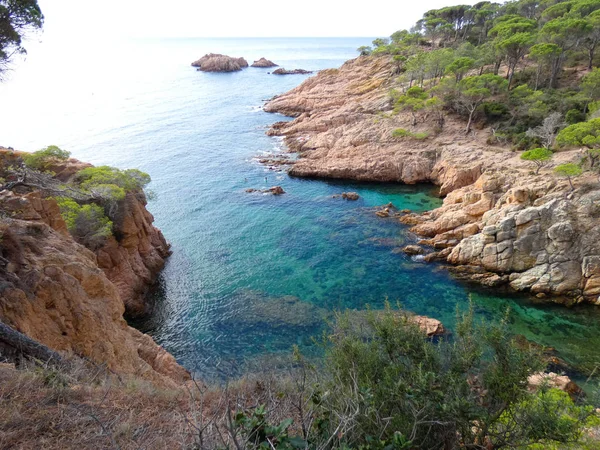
[(17, 17)]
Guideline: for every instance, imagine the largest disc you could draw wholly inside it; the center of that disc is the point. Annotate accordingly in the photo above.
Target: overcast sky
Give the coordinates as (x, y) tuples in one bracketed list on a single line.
[(105, 19)]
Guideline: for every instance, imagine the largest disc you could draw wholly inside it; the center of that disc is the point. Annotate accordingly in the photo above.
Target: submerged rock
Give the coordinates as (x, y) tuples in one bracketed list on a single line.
[(275, 190), (214, 62), (350, 196), (283, 71), (263, 62)]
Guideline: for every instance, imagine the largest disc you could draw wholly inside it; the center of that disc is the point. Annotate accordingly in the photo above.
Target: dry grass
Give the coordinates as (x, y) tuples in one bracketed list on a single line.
[(87, 408)]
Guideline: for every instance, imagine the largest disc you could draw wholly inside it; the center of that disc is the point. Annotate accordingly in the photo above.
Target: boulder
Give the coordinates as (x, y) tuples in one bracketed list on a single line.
[(431, 327), (350, 195), (263, 62), (214, 62), (413, 250), (554, 380), (283, 71), (276, 190)]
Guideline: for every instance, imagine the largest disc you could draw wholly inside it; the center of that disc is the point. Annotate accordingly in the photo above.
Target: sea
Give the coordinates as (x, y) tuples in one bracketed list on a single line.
[(251, 275)]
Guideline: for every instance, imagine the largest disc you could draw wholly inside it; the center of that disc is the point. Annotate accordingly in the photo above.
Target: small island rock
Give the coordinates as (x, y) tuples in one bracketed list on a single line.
[(283, 71), (214, 62), (263, 62)]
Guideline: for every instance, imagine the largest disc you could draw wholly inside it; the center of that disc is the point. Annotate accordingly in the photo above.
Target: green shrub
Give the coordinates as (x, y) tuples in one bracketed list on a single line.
[(574, 116), (87, 223), (387, 386), (495, 110), (43, 158), (400, 133), (111, 183)]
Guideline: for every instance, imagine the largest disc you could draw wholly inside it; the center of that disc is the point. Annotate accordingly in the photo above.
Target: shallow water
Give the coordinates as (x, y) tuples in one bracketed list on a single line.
[(251, 274)]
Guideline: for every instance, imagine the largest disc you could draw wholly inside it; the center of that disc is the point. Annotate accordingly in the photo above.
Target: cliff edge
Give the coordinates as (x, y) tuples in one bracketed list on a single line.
[(71, 298)]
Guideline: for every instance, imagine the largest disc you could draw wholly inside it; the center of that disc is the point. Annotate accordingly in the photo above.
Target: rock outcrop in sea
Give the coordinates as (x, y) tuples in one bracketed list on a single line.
[(214, 62), (263, 62), (283, 71), (500, 223), (72, 299)]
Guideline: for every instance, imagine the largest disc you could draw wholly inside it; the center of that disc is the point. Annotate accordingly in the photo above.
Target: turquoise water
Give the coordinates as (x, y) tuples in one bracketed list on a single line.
[(251, 274)]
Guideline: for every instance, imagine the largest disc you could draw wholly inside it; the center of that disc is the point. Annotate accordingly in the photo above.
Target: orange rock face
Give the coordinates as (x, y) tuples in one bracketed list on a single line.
[(71, 299), (133, 259)]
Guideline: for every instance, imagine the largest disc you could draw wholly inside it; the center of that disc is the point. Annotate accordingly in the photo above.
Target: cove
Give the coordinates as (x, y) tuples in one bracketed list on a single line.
[(251, 275)]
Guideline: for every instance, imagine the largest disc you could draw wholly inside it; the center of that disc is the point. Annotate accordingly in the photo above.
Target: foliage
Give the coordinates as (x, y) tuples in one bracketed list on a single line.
[(111, 183), (385, 386), (574, 116), (364, 50), (87, 223), (585, 134), (413, 101), (259, 434), (42, 159), (402, 133), (568, 171), (17, 17), (538, 156), (460, 66), (473, 91)]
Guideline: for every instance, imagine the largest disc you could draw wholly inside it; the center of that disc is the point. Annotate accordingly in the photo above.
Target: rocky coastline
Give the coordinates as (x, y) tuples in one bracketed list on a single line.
[(72, 299), (501, 224)]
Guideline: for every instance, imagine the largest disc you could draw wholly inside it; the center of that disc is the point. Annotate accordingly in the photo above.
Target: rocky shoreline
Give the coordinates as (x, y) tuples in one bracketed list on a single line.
[(500, 224)]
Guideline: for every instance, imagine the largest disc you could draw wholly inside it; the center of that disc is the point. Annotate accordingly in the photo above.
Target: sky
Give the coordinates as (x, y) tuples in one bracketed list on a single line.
[(108, 20)]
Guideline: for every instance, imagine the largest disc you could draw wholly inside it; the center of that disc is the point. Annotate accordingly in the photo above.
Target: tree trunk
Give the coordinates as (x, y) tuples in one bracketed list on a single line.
[(497, 66), (591, 60), (17, 345), (468, 130)]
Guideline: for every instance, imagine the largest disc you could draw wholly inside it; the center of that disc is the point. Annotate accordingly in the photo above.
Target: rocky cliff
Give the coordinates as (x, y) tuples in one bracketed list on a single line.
[(500, 222), (72, 299)]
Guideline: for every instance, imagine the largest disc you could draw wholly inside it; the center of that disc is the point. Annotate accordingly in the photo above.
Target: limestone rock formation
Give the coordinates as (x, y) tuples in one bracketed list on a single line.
[(263, 62), (214, 62), (500, 222), (283, 71)]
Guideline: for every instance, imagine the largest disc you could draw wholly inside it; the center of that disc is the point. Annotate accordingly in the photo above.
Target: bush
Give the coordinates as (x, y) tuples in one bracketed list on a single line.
[(400, 133), (111, 183), (43, 158), (495, 110), (385, 385), (87, 223), (574, 116)]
